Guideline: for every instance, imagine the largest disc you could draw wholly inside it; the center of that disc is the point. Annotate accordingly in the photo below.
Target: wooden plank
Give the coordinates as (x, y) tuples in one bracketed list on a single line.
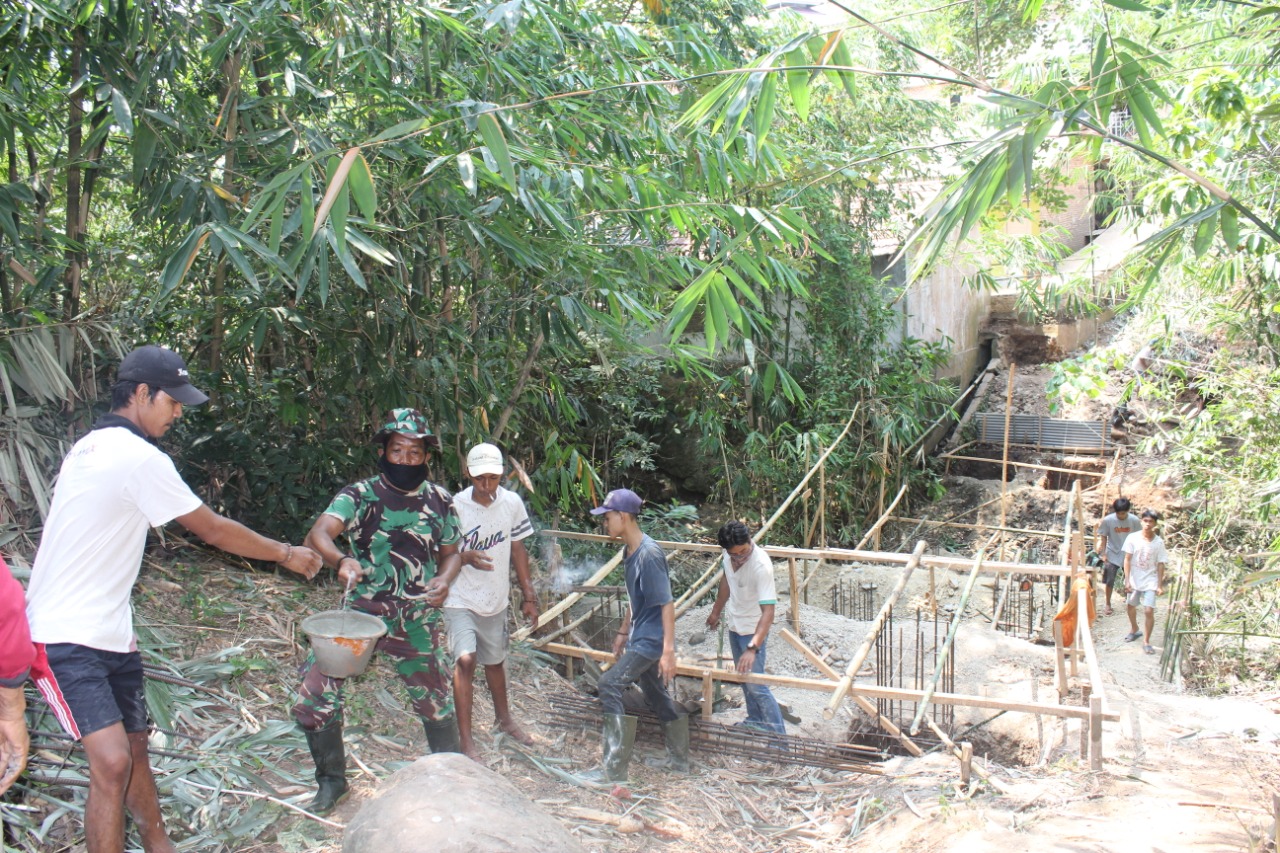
[(855, 663), (1095, 732), (1062, 671), (967, 526), (870, 691), (1025, 465), (795, 593)]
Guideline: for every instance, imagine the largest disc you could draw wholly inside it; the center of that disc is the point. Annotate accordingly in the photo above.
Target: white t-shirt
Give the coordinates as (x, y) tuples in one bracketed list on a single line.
[(749, 587), (1147, 556), (491, 529), (113, 485)]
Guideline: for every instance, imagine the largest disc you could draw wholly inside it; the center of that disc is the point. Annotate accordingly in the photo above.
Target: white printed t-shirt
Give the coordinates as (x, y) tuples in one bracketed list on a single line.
[(1147, 556), (491, 529), (749, 587), (112, 486)]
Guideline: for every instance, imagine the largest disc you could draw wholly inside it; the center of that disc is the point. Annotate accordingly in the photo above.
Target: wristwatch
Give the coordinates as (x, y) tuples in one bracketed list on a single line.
[(752, 647)]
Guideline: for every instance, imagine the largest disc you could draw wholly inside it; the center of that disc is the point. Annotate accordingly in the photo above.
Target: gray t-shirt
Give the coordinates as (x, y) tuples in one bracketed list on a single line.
[(1117, 530)]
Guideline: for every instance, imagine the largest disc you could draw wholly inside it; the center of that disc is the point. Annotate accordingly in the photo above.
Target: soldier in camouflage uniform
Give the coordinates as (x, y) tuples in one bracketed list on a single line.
[(403, 535)]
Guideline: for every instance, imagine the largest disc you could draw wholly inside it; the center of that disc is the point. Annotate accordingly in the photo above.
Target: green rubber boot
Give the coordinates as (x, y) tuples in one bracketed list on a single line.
[(676, 735), (617, 742), (331, 768)]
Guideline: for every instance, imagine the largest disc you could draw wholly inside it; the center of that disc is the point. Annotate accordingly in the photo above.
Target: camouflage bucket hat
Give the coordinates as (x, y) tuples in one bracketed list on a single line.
[(408, 422)]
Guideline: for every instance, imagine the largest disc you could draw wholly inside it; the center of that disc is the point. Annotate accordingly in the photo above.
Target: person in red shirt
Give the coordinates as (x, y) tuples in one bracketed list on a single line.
[(16, 656)]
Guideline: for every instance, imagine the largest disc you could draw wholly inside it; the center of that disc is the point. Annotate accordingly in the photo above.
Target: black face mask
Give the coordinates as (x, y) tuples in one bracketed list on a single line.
[(406, 478)]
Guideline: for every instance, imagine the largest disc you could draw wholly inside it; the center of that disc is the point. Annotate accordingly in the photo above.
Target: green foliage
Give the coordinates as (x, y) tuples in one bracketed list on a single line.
[(1083, 377)]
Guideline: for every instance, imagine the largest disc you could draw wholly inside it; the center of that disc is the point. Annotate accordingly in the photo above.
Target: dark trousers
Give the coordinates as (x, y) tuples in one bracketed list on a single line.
[(631, 668)]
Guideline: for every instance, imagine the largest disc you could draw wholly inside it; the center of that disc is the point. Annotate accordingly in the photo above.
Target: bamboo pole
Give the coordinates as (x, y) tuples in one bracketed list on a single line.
[(959, 754), (781, 552), (1059, 657), (966, 526), (1004, 466), (945, 651), (884, 473), (884, 516), (870, 691), (860, 655), (1096, 704), (795, 593), (572, 598), (1004, 596), (1031, 465), (560, 632), (866, 706), (1086, 643), (708, 695)]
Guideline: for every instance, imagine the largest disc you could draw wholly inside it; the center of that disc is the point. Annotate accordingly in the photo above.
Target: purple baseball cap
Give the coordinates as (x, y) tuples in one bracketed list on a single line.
[(620, 500)]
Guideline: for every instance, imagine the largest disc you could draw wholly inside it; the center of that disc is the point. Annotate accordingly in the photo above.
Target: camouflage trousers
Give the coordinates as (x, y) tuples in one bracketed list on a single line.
[(416, 639)]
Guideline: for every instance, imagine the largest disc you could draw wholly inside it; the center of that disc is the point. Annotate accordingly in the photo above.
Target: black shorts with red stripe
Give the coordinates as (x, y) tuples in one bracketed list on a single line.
[(90, 689)]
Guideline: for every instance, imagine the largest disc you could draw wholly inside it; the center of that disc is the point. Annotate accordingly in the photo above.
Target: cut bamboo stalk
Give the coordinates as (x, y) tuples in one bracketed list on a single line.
[(708, 694), (866, 706), (957, 752), (1004, 596), (860, 655), (573, 598), (884, 474), (945, 651)]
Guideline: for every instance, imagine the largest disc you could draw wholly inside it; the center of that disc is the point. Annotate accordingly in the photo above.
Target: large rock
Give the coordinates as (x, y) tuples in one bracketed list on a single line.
[(448, 803)]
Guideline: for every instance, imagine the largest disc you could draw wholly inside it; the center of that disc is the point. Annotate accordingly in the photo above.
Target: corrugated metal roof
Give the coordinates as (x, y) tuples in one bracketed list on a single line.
[(1054, 433)]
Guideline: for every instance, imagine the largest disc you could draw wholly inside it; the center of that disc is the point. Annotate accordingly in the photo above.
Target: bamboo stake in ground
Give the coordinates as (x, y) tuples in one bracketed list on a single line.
[(945, 651), (1004, 466), (860, 655)]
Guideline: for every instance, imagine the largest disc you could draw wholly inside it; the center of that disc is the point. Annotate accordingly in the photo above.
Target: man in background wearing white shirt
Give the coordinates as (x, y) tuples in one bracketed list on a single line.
[(494, 526)]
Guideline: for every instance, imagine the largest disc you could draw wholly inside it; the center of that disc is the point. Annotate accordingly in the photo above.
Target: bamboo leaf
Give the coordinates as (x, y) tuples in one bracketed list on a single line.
[(798, 84), (848, 79), (121, 111), (362, 188), (1205, 232), (765, 107), (491, 132), (1128, 5), (467, 171), (182, 259), (1230, 220)]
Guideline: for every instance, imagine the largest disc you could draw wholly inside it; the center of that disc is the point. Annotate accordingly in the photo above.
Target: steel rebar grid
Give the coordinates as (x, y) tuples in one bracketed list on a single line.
[(893, 652), (571, 710)]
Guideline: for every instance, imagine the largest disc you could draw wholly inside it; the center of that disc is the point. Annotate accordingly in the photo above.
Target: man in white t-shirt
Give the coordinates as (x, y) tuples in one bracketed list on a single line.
[(1144, 561), (494, 526), (747, 586), (113, 486)]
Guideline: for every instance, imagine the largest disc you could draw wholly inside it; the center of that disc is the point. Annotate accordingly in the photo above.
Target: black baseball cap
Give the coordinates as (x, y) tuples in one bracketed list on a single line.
[(164, 369)]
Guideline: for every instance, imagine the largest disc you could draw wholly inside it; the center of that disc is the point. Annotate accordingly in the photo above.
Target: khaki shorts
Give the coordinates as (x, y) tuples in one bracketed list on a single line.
[(483, 636)]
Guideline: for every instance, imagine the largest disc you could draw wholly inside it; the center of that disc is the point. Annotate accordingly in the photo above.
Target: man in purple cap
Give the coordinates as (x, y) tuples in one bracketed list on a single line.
[(645, 645), (114, 485)]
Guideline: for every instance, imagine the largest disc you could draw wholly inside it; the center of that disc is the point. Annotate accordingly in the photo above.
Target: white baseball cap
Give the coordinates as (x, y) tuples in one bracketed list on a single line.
[(484, 459)]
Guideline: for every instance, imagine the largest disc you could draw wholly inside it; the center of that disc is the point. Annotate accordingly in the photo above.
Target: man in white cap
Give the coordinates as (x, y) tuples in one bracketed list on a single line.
[(114, 485), (495, 524)]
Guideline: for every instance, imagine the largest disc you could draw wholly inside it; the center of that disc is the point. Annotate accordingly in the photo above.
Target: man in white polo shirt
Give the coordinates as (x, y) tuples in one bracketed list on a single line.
[(114, 485), (494, 526), (747, 587)]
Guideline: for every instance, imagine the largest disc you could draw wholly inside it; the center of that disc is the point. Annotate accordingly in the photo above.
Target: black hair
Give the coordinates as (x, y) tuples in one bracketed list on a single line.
[(733, 534), (1121, 505), (1150, 513), (124, 389)]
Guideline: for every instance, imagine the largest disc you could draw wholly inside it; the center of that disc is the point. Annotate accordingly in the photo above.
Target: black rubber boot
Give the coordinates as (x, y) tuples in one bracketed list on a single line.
[(617, 742), (331, 768), (442, 735)]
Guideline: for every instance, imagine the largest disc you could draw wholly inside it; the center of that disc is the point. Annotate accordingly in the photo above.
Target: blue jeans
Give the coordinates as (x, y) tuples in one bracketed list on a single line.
[(631, 668), (762, 709)]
